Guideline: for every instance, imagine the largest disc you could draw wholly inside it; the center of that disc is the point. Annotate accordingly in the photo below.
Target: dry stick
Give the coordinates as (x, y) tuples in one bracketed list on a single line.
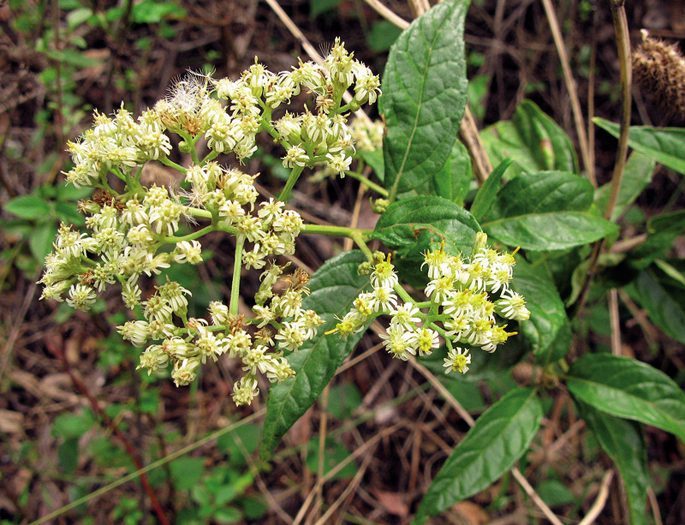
[(601, 500), (16, 328), (615, 322), (655, 506), (623, 43), (572, 91), (342, 465), (318, 490), (388, 14), (273, 504), (354, 484)]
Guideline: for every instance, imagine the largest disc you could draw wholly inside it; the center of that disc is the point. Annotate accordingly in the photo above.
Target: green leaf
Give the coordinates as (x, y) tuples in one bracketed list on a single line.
[(334, 287), (624, 442), (662, 304), (543, 192), (67, 455), (550, 231), (404, 221), (453, 180), (485, 197), (383, 35), (227, 515), (375, 160), (547, 312), (663, 145), (636, 177), (532, 139), (499, 438), (317, 7), (153, 12), (662, 230), (424, 96), (41, 240), (334, 454), (186, 472), (28, 207), (70, 426), (628, 388)]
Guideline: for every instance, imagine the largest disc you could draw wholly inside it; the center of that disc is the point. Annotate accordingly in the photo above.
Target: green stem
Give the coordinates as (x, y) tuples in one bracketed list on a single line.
[(375, 187), (335, 231), (191, 236), (235, 283), (294, 175), (210, 157), (172, 164), (358, 239)]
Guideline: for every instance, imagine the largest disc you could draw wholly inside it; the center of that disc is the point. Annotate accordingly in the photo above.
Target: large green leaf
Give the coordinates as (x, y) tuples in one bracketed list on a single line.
[(424, 95), (406, 222), (663, 145), (624, 442), (499, 438), (636, 177), (532, 139), (549, 231), (333, 287), (542, 192), (661, 301), (630, 389), (544, 211), (547, 312)]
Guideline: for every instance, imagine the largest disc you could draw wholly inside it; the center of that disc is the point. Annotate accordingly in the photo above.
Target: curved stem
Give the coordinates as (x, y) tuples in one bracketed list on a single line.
[(172, 164)]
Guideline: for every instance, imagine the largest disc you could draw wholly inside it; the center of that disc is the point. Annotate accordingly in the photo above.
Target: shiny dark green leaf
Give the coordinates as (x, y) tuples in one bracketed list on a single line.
[(499, 438), (630, 389), (424, 96)]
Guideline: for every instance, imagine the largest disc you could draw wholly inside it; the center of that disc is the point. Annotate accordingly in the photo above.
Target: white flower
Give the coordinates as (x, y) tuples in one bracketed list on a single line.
[(457, 360)]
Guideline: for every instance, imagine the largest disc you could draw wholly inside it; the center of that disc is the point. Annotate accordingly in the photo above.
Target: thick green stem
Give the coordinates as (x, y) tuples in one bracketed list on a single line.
[(235, 283), (292, 180), (335, 231)]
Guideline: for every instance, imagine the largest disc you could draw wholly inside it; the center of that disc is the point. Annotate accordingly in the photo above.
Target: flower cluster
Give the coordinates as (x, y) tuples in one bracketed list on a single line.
[(284, 323), (464, 298), (144, 230)]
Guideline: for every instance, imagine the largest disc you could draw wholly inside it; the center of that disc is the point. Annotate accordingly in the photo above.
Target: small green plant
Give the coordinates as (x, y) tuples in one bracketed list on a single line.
[(448, 300)]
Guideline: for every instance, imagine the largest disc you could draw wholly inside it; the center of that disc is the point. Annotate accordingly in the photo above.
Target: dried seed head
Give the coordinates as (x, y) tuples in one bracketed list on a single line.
[(659, 68)]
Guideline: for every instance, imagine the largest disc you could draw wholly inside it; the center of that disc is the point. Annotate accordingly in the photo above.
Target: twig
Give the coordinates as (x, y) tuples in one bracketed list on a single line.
[(348, 490), (388, 14), (534, 496), (623, 42), (16, 328), (572, 91), (601, 500), (615, 322), (323, 479), (471, 138)]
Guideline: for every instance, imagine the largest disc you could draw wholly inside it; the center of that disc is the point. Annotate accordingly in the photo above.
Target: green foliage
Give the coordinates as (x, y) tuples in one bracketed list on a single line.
[(498, 439), (532, 139), (41, 213), (425, 74)]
